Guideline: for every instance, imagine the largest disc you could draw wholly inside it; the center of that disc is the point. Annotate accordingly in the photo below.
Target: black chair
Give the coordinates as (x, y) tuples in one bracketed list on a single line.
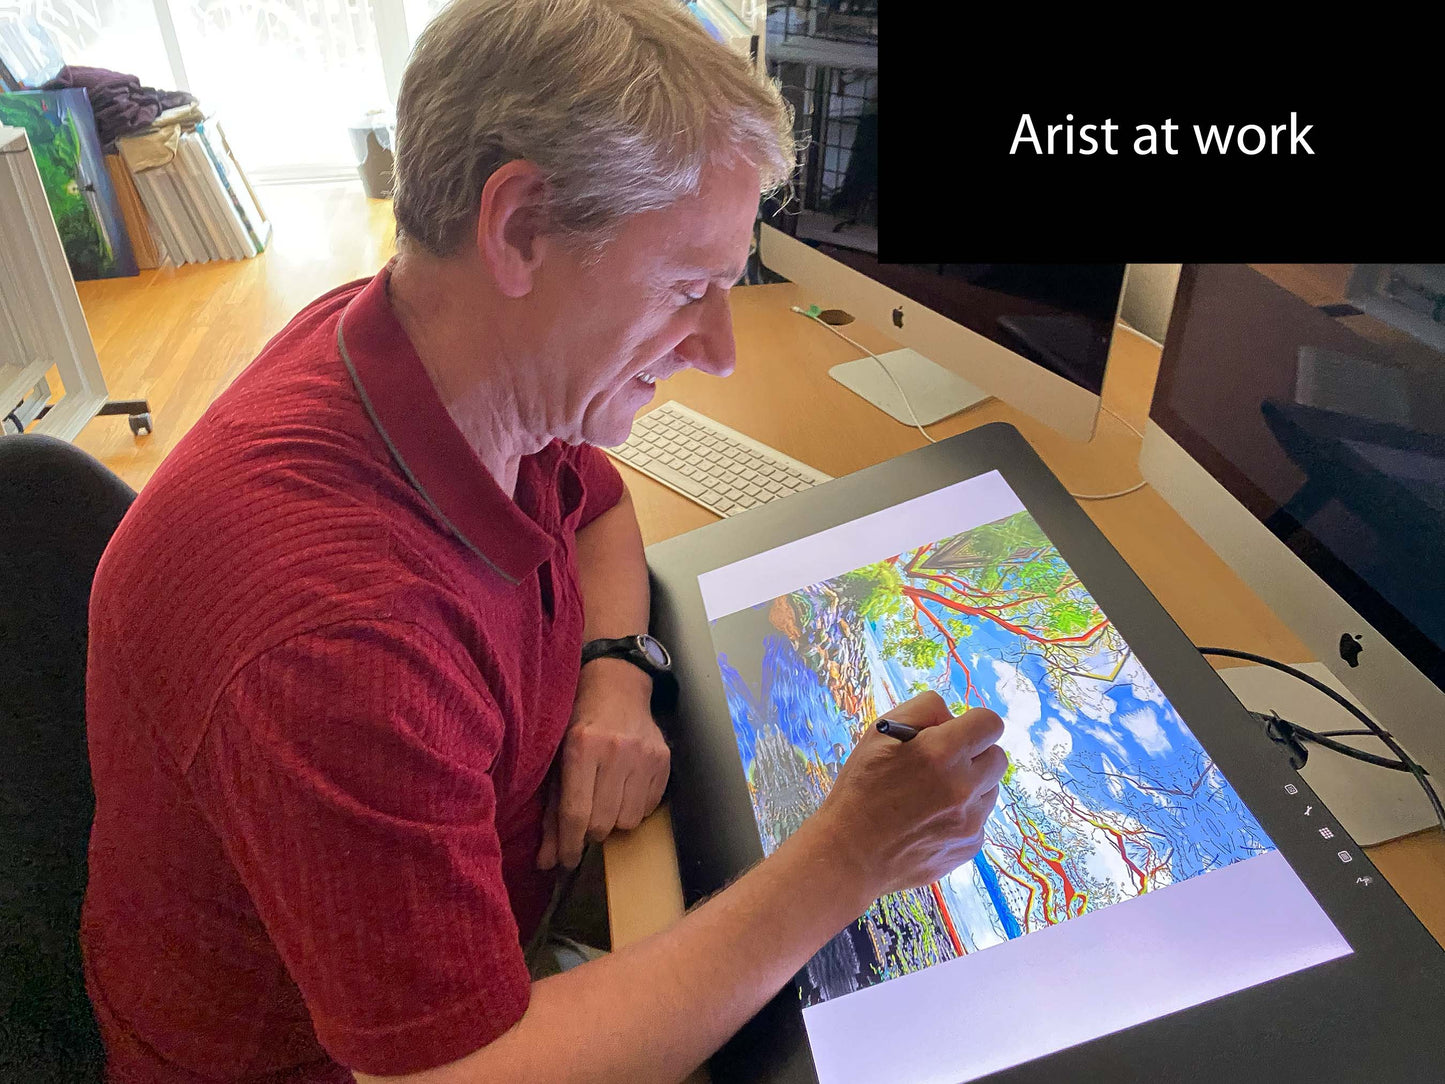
[(58, 509)]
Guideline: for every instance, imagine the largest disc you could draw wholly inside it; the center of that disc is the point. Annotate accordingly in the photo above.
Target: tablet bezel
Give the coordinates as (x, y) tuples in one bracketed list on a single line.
[(1378, 1010)]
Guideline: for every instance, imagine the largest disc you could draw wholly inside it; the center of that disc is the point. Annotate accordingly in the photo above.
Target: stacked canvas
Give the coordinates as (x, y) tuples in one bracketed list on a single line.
[(198, 198), (144, 241)]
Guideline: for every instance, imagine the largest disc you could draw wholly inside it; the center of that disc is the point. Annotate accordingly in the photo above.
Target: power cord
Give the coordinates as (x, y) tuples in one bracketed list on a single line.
[(1122, 492), (1122, 421), (814, 313), (1292, 734), (1109, 496)]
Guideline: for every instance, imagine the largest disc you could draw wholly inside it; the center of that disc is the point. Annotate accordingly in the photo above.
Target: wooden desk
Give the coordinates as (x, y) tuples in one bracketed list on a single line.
[(782, 395)]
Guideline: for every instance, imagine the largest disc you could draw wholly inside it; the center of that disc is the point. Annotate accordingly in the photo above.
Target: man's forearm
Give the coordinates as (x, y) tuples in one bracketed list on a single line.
[(652, 1012), (614, 760), (612, 572), (899, 814), (668, 1002)]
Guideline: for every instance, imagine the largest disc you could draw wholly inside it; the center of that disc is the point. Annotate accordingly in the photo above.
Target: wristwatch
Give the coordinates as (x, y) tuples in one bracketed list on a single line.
[(645, 652)]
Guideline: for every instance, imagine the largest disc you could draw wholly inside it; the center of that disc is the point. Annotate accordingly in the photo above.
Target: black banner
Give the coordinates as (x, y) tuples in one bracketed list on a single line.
[(994, 147)]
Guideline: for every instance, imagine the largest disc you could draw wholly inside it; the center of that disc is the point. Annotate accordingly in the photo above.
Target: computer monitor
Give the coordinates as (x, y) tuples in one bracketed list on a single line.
[(1298, 425), (1036, 336)]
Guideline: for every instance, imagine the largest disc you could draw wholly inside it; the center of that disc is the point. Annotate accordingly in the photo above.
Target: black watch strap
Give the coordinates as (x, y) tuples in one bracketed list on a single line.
[(645, 652)]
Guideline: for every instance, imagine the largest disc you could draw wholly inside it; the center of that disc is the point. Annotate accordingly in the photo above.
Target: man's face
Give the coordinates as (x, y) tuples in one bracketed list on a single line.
[(653, 304)]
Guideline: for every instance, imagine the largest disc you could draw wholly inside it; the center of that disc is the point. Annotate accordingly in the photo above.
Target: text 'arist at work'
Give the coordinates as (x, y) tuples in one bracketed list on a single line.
[(1080, 138)]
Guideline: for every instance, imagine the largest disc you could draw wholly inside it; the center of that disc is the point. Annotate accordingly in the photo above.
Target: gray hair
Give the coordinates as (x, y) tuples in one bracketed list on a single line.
[(620, 103)]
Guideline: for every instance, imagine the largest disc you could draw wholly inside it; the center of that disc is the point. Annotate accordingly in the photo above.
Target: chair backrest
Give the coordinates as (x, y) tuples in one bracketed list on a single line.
[(58, 509)]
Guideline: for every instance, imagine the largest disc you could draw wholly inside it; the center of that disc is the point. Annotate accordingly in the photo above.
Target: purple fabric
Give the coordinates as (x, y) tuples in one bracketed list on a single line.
[(121, 105)]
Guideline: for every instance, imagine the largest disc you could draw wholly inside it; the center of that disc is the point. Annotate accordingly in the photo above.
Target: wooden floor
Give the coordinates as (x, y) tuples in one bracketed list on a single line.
[(178, 336)]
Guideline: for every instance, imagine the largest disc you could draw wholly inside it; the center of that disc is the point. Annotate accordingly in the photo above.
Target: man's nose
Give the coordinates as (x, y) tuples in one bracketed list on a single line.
[(711, 348)]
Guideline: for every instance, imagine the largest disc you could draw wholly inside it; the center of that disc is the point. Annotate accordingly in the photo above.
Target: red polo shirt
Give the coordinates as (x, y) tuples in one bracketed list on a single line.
[(330, 664)]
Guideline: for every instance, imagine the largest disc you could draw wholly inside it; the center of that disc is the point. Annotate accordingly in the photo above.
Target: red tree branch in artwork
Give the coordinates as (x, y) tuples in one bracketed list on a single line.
[(947, 918), (952, 641), (919, 594), (1031, 889), (987, 600), (1044, 863), (1143, 872)]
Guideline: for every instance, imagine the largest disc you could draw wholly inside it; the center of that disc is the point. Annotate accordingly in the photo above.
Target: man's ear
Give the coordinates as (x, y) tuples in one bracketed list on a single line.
[(511, 225)]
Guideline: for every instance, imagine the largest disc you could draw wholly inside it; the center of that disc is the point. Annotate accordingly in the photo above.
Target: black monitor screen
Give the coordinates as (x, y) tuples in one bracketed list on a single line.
[(1316, 395)]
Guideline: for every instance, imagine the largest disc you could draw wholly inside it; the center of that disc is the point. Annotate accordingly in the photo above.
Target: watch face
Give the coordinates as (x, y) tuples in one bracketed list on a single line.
[(654, 652)]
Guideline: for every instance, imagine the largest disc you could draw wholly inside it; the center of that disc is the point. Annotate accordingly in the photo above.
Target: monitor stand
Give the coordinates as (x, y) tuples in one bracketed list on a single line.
[(933, 391), (1372, 804)]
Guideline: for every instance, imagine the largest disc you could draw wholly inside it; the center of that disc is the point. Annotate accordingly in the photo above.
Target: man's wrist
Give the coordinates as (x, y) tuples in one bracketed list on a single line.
[(831, 856), (616, 673), (642, 650)]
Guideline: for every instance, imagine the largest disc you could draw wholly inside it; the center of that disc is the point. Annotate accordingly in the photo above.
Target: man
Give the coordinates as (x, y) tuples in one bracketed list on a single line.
[(336, 644)]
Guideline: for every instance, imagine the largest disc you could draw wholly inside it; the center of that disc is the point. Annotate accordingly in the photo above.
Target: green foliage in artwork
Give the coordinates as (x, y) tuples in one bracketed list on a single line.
[(1069, 617), (1044, 576), (1011, 562), (1000, 544), (910, 648), (1006, 572), (876, 590)]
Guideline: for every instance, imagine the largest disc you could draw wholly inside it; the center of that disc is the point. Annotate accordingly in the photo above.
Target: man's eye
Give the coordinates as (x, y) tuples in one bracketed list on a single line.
[(691, 293)]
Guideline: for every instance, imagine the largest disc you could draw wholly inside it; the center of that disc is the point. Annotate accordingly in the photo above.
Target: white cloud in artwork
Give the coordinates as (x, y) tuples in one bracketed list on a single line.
[(1169, 715), (1020, 707), (1019, 695), (1102, 733), (1094, 703), (1144, 687), (1056, 742), (1104, 861), (1116, 787), (1144, 725)]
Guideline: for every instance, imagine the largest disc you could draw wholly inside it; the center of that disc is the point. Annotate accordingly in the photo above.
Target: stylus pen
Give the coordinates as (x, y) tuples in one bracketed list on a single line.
[(901, 731)]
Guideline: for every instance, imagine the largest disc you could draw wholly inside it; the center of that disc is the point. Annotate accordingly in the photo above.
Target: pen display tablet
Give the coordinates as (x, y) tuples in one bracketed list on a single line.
[(1122, 878)]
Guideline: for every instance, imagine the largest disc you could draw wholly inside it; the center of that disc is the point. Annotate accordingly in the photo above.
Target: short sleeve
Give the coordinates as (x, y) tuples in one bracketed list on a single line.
[(601, 482), (347, 773)]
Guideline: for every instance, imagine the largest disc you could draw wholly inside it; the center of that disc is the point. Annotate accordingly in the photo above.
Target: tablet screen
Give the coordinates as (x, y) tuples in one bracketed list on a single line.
[(1121, 879)]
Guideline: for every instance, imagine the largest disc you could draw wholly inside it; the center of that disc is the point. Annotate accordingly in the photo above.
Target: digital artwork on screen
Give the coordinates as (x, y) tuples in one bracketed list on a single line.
[(1108, 795)]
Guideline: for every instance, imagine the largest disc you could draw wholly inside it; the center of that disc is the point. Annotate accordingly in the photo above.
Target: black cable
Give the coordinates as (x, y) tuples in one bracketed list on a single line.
[(1378, 731), (1292, 734), (1348, 750)]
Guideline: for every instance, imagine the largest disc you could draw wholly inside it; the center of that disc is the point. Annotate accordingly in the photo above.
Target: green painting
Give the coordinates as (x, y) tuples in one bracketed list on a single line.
[(61, 129)]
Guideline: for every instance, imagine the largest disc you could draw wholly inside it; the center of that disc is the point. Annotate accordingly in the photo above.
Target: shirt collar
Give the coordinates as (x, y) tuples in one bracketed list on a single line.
[(403, 405)]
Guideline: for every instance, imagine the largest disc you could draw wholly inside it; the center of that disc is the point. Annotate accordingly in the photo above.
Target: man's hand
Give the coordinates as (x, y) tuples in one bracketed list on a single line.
[(909, 812), (613, 765)]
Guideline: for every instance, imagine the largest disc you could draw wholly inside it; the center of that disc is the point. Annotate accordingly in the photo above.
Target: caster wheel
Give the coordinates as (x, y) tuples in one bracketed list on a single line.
[(140, 424)]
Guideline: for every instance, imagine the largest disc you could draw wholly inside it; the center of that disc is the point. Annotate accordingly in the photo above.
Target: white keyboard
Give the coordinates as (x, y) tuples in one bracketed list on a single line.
[(710, 464)]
